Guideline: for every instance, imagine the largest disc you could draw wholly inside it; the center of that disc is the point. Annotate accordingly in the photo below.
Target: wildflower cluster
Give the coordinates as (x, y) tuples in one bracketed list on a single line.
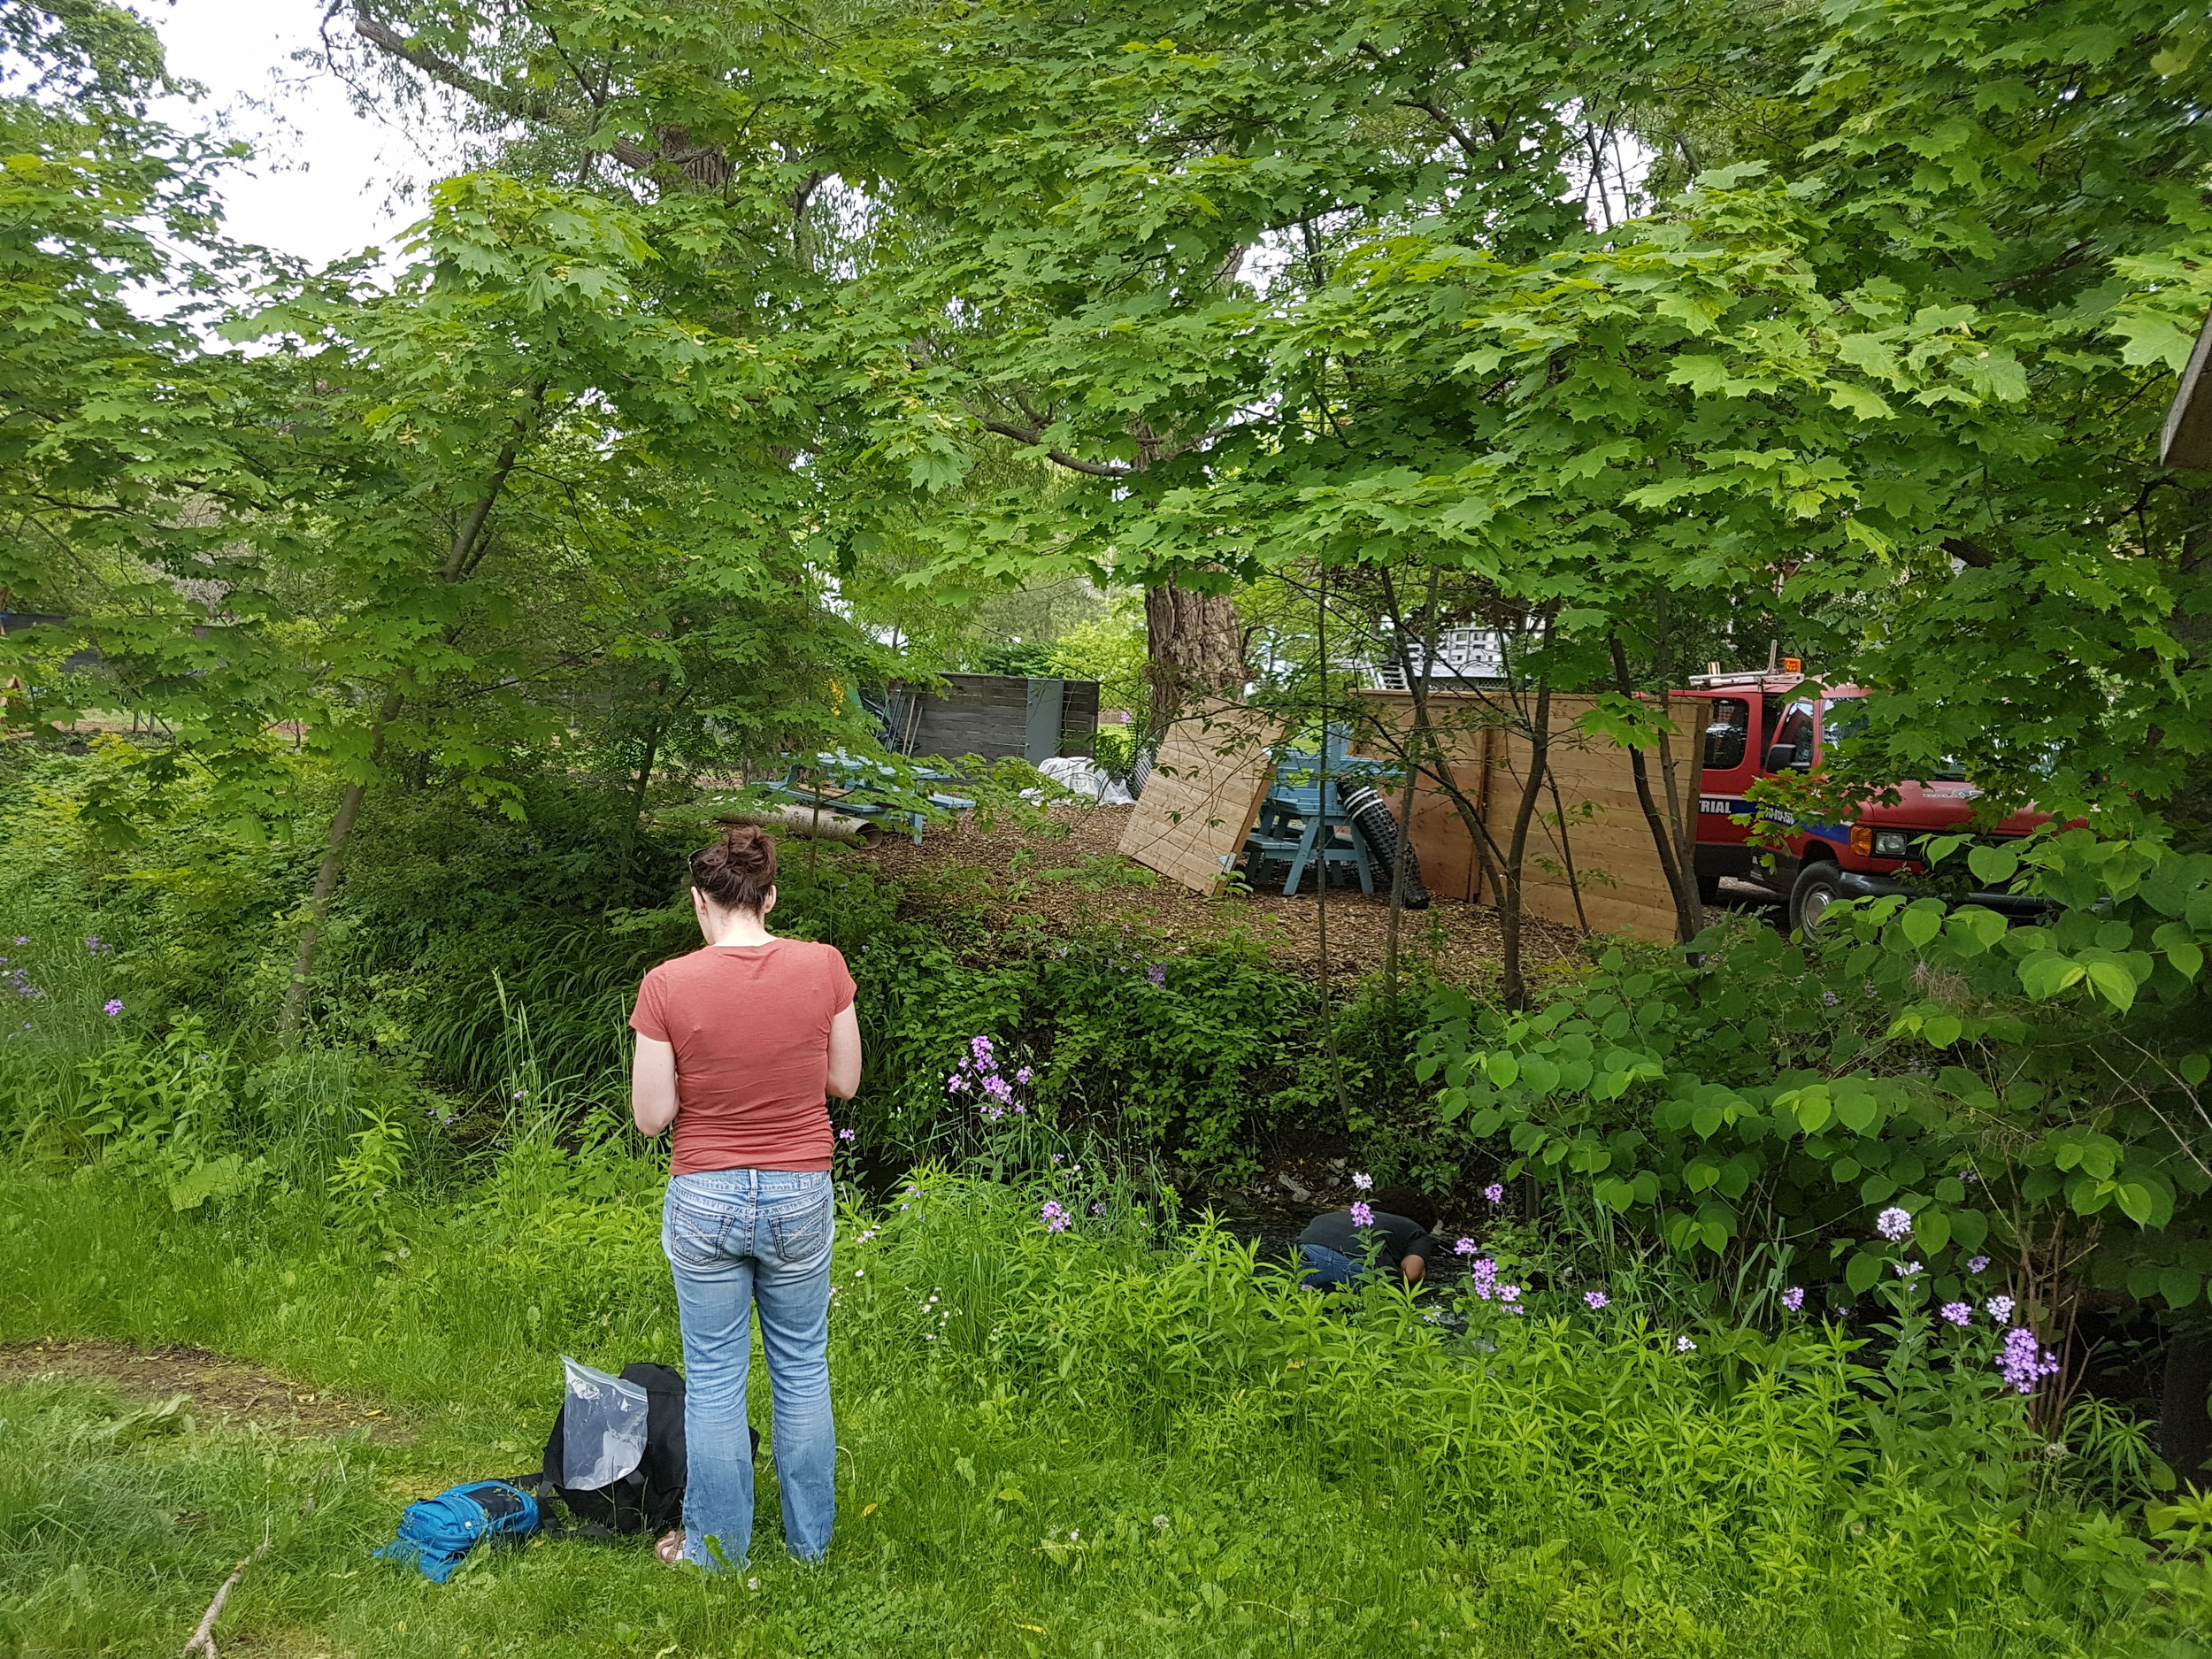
[(2023, 1362), (1893, 1222), (1495, 1193), (1362, 1215), (978, 1074), (19, 982), (1055, 1219), (1794, 1298), (1596, 1299), (944, 1314), (1482, 1279)]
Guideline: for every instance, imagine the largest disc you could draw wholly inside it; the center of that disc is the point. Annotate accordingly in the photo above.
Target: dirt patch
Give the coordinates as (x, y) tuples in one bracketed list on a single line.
[(215, 1385), (1077, 880)]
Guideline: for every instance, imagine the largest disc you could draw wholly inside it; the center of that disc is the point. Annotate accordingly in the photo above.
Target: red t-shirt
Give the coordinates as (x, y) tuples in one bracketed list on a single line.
[(751, 1026)]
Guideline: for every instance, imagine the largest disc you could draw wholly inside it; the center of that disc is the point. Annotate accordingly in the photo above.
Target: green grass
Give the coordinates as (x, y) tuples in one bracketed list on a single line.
[(1085, 1445)]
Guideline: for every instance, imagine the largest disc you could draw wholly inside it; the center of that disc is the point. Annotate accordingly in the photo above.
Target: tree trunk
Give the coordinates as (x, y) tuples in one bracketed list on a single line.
[(1676, 861), (1195, 646), (342, 824), (467, 549), (2185, 1422)]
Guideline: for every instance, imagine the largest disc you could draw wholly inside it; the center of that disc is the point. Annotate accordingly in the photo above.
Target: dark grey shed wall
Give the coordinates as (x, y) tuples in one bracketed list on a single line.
[(996, 715)]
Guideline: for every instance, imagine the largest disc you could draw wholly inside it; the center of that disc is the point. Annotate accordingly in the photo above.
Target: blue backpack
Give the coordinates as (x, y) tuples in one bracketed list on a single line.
[(436, 1533)]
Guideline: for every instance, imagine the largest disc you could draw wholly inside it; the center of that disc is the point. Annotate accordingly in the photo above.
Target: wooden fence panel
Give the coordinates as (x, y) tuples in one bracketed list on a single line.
[(1203, 796), (1598, 869)]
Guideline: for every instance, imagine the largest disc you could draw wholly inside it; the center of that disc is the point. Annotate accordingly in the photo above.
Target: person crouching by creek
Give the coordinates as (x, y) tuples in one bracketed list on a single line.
[(1334, 1247), (739, 1046)]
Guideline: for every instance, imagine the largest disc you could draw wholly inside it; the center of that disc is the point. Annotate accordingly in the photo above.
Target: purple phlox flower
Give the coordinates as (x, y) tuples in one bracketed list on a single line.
[(1495, 1193), (2024, 1362), (998, 1088), (93, 943), (22, 938), (1362, 1215), (1893, 1222), (1904, 1269), (955, 1082), (1998, 1308), (1596, 1299), (844, 1135), (1482, 1276), (1794, 1298), (1362, 1179), (1019, 1109), (1156, 973), (111, 1007), (1099, 1209), (1055, 1157), (1024, 1075), (979, 1047), (1509, 1293), (1969, 1176), (1055, 1219), (1979, 1265), (1465, 1246), (1830, 998), (1957, 1312), (519, 1095), (1683, 1345)]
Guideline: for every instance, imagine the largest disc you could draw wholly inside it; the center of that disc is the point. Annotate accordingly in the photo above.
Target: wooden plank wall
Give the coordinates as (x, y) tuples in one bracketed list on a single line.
[(1203, 796), (988, 715), (1603, 855), (1079, 717)]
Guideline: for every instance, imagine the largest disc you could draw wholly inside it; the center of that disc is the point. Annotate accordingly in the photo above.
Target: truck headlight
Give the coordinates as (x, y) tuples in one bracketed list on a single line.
[(1893, 844)]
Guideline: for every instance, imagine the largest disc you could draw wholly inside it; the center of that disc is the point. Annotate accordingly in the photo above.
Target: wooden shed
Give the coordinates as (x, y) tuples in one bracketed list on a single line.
[(996, 715)]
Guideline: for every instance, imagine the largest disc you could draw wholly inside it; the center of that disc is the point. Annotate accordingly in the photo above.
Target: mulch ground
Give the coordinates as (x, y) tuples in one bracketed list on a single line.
[(1076, 880), (214, 1387)]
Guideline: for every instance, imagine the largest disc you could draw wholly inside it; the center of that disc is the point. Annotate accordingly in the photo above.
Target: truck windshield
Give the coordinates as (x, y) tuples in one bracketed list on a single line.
[(1843, 718)]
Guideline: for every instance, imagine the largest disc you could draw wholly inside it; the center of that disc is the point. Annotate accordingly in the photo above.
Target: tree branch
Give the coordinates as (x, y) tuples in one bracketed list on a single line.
[(503, 100)]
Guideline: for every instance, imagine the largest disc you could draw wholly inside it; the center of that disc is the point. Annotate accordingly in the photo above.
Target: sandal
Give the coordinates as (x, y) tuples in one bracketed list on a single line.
[(670, 1548)]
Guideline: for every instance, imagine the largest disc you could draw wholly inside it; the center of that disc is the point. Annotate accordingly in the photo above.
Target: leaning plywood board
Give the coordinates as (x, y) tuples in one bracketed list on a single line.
[(1204, 796), (1590, 862)]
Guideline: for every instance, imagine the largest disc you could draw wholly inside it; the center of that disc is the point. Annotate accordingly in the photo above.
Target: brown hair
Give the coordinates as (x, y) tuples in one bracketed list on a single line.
[(736, 869), (1410, 1202)]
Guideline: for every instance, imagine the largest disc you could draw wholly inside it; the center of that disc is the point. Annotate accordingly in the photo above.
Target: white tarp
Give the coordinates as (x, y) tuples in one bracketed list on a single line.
[(1074, 773)]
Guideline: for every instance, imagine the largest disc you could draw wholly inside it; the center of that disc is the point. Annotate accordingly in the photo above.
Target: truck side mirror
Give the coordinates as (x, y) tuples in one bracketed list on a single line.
[(1781, 757)]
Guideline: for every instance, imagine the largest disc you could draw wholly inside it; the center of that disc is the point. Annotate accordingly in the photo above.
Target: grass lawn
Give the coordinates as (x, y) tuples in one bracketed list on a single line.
[(1084, 1444)]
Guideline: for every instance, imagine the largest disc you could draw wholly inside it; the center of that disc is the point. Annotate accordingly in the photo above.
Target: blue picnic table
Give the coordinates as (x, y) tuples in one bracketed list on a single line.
[(842, 782), (1303, 821)]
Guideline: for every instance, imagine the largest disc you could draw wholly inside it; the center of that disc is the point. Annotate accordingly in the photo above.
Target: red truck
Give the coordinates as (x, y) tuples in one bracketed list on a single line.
[(1761, 725)]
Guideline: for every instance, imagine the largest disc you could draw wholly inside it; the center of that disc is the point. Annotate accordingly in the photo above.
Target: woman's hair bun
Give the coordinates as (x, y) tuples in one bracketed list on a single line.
[(737, 869)]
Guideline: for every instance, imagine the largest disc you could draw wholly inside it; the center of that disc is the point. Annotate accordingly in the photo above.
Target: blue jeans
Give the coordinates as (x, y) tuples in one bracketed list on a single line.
[(1325, 1268), (736, 1239)]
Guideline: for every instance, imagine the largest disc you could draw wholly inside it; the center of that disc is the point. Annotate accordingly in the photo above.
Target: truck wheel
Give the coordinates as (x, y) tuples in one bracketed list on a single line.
[(1818, 885), (1708, 889)]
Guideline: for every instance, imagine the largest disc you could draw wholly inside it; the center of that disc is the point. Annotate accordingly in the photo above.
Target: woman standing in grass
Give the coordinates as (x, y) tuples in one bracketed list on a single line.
[(739, 1045)]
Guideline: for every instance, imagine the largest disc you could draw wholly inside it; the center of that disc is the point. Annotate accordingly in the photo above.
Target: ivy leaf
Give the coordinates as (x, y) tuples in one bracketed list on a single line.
[(2047, 974), (1992, 867), (1921, 925), (2113, 982), (1942, 1030)]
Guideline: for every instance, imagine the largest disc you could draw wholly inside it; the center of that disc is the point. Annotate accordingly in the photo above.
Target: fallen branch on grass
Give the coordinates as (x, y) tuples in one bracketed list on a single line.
[(203, 1638)]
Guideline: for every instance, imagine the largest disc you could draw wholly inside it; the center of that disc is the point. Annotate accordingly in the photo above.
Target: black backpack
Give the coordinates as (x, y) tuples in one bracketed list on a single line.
[(650, 1498)]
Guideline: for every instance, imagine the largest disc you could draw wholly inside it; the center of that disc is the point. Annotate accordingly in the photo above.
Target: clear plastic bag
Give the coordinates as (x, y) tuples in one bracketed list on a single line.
[(603, 1428)]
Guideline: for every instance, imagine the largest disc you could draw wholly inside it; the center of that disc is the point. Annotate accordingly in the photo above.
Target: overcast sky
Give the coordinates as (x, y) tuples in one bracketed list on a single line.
[(323, 183)]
